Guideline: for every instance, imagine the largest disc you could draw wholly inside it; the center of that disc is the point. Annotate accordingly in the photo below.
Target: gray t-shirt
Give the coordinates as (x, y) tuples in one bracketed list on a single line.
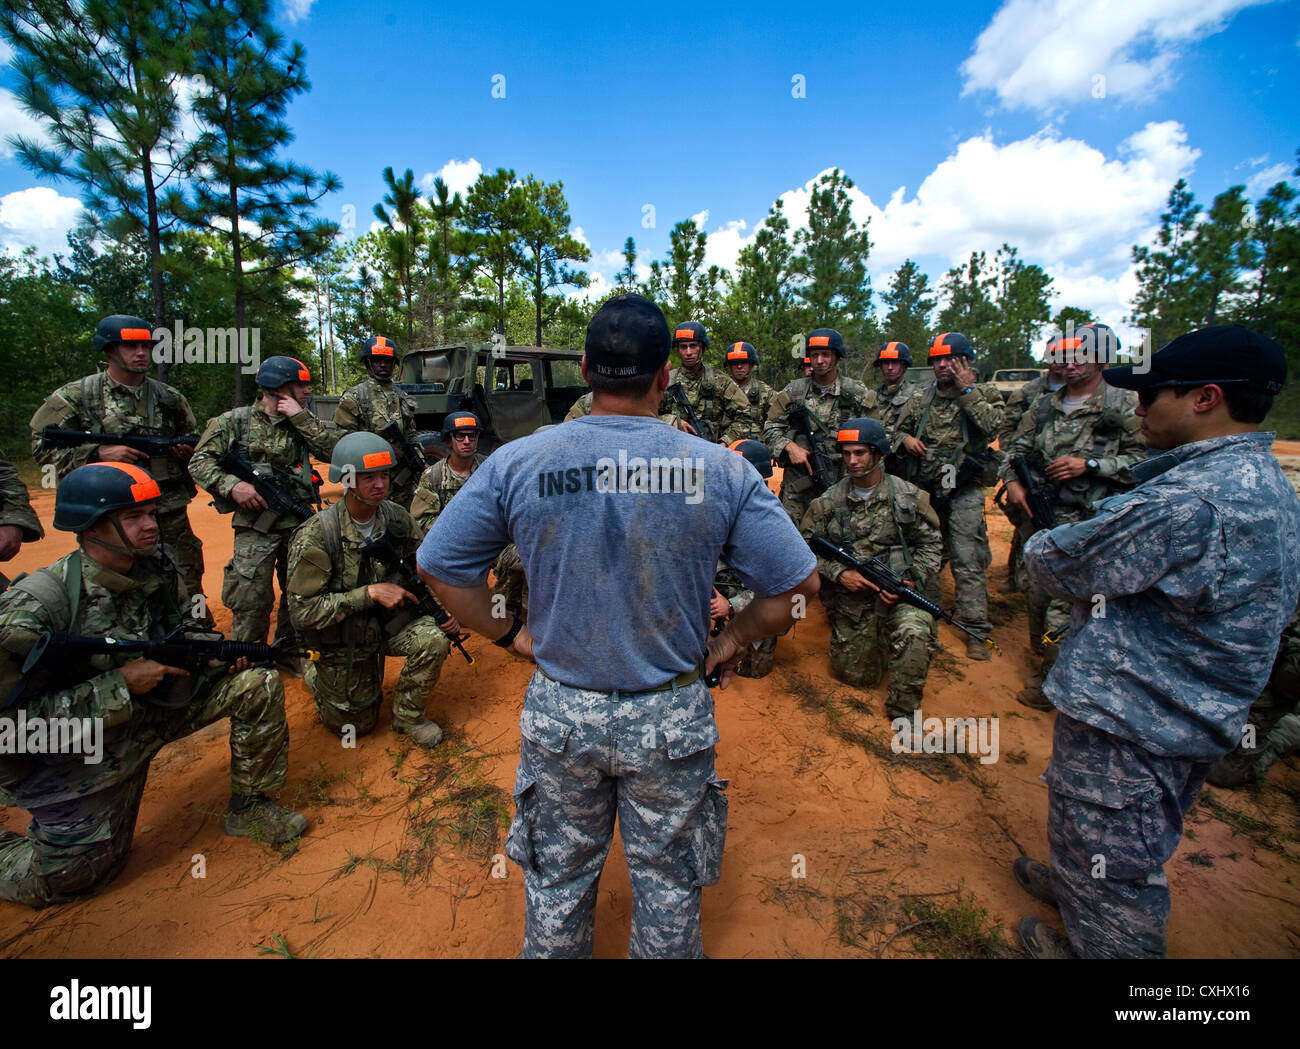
[(619, 521)]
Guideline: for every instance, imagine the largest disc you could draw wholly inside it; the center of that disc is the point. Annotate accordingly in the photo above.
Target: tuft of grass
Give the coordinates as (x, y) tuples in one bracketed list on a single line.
[(315, 789), (279, 947), (961, 929)]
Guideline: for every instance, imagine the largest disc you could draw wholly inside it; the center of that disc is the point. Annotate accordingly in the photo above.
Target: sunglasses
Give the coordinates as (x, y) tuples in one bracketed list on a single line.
[(1147, 394)]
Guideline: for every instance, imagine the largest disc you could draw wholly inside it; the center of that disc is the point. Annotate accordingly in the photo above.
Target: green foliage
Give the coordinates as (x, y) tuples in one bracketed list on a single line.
[(910, 308)]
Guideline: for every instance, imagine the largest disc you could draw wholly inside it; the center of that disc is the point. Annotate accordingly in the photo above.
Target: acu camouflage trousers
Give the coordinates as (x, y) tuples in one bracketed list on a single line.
[(646, 757), (1114, 819), (76, 846)]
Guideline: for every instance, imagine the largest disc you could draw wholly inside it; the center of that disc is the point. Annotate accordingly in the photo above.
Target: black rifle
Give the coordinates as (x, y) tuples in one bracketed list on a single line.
[(148, 439), (55, 651), (877, 572), (382, 549), (269, 488), (972, 465), (678, 396), (820, 462), (408, 450), (1041, 514)]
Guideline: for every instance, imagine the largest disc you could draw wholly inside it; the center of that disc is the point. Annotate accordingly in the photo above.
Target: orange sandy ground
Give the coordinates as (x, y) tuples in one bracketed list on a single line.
[(399, 858)]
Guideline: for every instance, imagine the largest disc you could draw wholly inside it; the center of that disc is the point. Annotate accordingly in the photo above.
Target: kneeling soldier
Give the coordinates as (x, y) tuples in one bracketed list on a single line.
[(118, 583), (343, 602), (877, 515)]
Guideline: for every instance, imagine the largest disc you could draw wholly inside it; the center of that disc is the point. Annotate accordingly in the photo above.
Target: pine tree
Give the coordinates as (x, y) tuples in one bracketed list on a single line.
[(240, 190), (491, 218), (910, 308), (403, 239), (546, 245), (832, 259), (1162, 303), (102, 80)]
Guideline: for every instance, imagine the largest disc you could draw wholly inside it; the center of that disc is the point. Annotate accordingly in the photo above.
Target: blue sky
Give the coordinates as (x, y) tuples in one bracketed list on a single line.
[(1055, 125)]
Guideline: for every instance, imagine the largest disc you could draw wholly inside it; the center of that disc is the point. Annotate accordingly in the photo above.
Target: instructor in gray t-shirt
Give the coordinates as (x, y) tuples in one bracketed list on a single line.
[(619, 520)]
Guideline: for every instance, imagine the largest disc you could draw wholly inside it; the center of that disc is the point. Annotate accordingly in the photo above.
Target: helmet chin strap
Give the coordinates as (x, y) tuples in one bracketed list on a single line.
[(126, 548)]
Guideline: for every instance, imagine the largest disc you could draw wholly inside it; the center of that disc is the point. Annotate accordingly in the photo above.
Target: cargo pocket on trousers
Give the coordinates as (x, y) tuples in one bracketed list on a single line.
[(519, 842), (1114, 819), (684, 740), (545, 731), (711, 834), (238, 587)]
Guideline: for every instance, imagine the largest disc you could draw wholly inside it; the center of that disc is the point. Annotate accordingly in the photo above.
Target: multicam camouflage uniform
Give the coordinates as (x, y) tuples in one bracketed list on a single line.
[(759, 394), (757, 661), (328, 577), (371, 405), (1200, 568), (16, 509), (581, 407), (102, 404), (83, 815), (1102, 428), (895, 523), (716, 399), (1014, 410), (952, 426), (891, 400), (439, 483), (261, 540), (844, 399)]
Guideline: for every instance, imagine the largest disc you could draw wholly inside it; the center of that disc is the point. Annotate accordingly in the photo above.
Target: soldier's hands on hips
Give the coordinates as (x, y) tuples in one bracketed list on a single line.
[(1017, 496), (143, 675), (119, 453), (246, 497), (1066, 467), (522, 645), (390, 595), (722, 650), (11, 538), (914, 446)]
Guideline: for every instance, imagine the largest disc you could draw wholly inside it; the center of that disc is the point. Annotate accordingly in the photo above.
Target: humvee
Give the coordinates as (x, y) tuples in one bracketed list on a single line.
[(512, 389), (1009, 380)]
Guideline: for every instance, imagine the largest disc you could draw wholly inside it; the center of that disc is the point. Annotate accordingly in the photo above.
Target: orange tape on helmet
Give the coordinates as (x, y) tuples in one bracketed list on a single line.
[(144, 488), (137, 335), (377, 459)]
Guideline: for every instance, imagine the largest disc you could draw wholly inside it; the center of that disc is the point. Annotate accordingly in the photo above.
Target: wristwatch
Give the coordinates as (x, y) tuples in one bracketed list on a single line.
[(1092, 465)]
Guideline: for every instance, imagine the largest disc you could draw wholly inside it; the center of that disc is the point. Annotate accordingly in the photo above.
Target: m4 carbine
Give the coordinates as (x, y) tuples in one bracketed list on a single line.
[(678, 396), (382, 549), (277, 501), (1041, 513), (148, 439), (819, 460), (409, 452), (880, 574)]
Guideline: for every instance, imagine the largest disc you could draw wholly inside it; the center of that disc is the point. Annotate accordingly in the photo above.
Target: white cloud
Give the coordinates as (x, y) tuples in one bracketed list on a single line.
[(1042, 53), (1262, 181), (458, 174), (13, 121), (297, 10), (37, 217)]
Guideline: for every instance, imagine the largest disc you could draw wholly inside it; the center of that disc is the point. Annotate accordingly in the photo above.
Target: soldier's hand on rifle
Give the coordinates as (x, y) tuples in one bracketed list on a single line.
[(855, 582), (239, 664), (143, 675), (119, 453), (1017, 497), (798, 456), (246, 497), (719, 606), (390, 595), (451, 626), (888, 599), (914, 446), (182, 452), (11, 538), (1066, 467), (684, 426)]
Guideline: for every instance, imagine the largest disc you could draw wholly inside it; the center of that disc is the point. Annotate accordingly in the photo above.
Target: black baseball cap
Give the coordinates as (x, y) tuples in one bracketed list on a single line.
[(627, 336), (1226, 354)]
